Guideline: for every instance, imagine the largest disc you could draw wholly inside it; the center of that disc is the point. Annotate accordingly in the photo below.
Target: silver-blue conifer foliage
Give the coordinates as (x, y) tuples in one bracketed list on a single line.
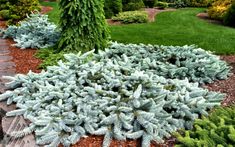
[(34, 32), (106, 96)]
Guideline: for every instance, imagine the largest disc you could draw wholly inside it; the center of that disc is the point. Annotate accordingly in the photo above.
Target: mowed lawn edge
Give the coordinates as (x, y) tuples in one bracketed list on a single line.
[(177, 28)]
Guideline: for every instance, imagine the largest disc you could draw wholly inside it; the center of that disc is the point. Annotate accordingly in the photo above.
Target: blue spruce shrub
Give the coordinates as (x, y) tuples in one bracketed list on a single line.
[(195, 64), (34, 32), (110, 97)]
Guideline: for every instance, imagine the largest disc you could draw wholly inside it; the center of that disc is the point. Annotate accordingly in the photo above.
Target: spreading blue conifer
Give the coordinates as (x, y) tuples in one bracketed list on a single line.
[(109, 97)]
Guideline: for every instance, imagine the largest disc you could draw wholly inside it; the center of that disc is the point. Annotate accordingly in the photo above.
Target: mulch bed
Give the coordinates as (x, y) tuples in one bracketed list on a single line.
[(226, 86), (46, 9), (152, 12), (25, 61), (206, 17)]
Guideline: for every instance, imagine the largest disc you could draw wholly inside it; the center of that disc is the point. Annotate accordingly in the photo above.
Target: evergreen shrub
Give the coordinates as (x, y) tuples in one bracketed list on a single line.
[(229, 18), (219, 9), (3, 5), (34, 32), (5, 14), (132, 5), (216, 130), (149, 3), (178, 4), (107, 97), (161, 5), (172, 62), (131, 17), (112, 7), (19, 9), (83, 26)]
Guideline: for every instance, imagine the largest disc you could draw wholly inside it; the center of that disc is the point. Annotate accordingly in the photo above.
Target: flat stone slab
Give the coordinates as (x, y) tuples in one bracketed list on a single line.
[(14, 124), (5, 57), (4, 47), (4, 51), (2, 41), (7, 108), (7, 72), (2, 88), (7, 65)]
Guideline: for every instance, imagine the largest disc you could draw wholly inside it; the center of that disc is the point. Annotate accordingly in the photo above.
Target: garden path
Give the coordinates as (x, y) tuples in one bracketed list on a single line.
[(10, 124)]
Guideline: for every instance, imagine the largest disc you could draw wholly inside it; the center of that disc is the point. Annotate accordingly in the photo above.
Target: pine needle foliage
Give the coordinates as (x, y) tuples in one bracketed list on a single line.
[(108, 97), (83, 25), (195, 64), (34, 32), (216, 130)]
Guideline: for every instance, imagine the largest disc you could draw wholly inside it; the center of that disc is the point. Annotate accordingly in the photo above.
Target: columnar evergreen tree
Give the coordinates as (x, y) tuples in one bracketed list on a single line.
[(83, 25)]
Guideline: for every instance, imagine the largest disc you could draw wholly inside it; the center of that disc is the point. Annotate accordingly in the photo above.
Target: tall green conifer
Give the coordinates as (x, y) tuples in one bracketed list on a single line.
[(83, 25)]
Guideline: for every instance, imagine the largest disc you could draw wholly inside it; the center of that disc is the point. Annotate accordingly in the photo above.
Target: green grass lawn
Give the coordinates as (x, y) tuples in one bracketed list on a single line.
[(172, 28), (54, 14)]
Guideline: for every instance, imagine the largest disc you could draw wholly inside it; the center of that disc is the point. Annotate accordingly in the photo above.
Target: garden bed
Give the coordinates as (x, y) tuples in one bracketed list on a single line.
[(25, 61)]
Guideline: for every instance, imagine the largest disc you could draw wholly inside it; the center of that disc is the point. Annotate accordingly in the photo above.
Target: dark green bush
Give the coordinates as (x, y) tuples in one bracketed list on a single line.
[(5, 14), (3, 5), (149, 3), (131, 5), (132, 17), (161, 5), (178, 4), (229, 18), (112, 7)]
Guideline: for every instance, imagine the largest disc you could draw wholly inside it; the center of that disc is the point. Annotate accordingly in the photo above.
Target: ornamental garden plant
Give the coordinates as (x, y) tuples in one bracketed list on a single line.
[(121, 91)]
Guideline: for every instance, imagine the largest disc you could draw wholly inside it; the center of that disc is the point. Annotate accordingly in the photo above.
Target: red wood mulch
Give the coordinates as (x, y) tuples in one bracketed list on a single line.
[(25, 61)]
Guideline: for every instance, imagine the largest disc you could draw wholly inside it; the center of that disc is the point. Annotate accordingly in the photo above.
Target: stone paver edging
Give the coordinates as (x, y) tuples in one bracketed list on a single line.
[(10, 124)]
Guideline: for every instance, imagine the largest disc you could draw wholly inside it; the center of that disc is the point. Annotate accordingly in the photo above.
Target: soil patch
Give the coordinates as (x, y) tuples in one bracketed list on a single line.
[(206, 17), (46, 9), (3, 24), (24, 59), (152, 12)]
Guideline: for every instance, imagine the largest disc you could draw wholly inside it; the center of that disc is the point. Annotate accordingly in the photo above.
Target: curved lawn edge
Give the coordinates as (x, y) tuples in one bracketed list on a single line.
[(179, 27)]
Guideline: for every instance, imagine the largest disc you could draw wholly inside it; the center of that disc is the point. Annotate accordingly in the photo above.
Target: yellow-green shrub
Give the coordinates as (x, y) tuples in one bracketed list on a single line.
[(219, 9), (131, 17), (18, 9)]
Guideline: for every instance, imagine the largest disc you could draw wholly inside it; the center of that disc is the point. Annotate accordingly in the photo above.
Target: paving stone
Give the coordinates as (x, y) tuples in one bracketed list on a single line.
[(4, 51), (2, 41), (7, 72), (7, 65), (4, 58), (11, 124), (4, 47), (7, 108), (2, 88)]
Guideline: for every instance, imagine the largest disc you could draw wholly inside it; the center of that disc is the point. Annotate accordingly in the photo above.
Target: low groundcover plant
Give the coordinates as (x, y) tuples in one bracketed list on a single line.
[(108, 97)]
